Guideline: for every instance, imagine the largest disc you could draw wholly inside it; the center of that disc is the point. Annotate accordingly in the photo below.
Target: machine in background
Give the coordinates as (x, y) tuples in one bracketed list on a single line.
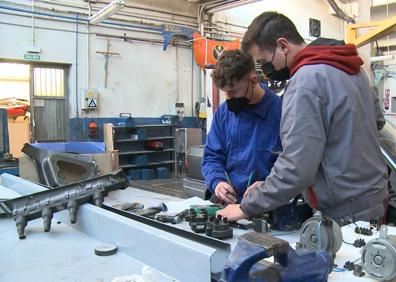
[(193, 182), (185, 139)]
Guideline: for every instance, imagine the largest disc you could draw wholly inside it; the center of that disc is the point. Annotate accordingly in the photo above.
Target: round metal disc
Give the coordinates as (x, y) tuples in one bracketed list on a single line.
[(379, 259), (330, 237), (105, 250)]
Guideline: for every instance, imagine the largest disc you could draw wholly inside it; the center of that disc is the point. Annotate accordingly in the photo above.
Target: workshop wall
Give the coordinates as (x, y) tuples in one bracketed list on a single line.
[(142, 80), (299, 11), (380, 13)]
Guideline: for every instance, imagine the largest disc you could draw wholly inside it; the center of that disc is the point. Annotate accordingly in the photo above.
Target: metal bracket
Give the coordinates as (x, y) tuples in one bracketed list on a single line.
[(50, 166), (169, 31), (379, 29)]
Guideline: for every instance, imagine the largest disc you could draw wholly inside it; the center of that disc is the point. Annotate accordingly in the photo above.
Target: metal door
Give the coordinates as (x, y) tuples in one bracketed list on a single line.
[(48, 104)]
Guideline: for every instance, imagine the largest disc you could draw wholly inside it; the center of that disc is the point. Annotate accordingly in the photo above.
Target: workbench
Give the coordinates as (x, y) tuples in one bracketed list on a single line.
[(67, 253), (346, 253)]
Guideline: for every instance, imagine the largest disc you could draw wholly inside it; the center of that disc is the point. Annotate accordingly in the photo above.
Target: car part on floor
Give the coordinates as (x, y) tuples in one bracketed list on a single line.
[(45, 203)]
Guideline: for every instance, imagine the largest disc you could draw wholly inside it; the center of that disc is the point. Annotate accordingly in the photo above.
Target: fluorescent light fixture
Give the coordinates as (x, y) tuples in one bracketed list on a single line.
[(33, 49), (381, 58), (222, 7), (107, 11)]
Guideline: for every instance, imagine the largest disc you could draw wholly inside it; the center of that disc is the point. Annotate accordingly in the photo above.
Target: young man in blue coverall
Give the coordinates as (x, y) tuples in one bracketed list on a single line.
[(243, 141)]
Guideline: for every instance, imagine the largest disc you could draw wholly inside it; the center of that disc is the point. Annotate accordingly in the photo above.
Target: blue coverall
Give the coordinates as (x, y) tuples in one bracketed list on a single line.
[(243, 144)]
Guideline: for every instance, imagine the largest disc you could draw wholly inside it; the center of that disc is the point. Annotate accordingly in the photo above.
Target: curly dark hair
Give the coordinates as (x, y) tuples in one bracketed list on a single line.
[(265, 30), (232, 65)]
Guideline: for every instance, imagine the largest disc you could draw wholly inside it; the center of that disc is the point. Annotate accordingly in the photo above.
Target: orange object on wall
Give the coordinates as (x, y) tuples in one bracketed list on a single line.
[(207, 51), (93, 129)]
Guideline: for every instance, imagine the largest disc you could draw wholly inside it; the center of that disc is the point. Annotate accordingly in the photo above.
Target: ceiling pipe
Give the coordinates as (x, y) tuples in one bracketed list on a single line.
[(161, 16)]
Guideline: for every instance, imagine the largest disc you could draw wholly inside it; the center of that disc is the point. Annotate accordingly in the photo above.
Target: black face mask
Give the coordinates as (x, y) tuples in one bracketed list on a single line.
[(236, 105), (273, 74)]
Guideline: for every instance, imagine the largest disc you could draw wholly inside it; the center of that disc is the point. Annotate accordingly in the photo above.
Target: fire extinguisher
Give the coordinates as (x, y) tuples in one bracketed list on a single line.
[(93, 129)]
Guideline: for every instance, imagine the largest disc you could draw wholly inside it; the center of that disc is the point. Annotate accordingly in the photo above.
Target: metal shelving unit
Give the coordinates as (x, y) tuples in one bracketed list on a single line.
[(132, 145), (147, 139)]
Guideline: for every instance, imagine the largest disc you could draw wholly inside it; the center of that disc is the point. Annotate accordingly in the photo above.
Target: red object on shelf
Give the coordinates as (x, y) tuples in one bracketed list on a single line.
[(154, 145), (17, 111)]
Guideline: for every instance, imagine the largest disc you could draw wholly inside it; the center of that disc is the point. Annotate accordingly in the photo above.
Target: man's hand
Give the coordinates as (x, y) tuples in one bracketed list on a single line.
[(252, 187), (232, 212), (225, 192)]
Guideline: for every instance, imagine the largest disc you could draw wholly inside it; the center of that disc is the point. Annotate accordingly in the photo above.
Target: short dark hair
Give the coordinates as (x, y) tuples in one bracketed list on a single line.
[(265, 30), (232, 65)]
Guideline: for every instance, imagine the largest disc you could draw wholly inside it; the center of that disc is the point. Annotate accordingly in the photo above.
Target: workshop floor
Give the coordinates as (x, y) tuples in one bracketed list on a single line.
[(171, 187)]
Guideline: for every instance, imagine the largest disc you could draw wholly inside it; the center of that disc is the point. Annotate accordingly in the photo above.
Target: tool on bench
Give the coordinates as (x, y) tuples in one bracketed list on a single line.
[(218, 227), (197, 221), (245, 262), (209, 209), (129, 206), (174, 219), (243, 224), (214, 199), (260, 225), (151, 211)]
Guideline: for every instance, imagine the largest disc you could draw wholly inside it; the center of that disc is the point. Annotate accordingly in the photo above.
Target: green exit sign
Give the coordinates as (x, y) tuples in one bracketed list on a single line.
[(32, 57)]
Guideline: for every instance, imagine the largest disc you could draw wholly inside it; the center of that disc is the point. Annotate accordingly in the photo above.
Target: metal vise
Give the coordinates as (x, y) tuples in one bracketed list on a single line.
[(246, 261)]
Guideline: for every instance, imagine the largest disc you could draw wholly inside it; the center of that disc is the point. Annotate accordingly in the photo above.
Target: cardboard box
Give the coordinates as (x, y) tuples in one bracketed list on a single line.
[(18, 135)]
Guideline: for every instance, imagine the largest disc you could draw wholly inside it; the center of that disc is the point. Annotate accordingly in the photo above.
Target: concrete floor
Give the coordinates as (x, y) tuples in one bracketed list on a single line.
[(171, 187)]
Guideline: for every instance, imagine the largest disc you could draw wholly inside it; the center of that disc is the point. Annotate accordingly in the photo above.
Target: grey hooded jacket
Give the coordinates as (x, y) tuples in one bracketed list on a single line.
[(329, 138)]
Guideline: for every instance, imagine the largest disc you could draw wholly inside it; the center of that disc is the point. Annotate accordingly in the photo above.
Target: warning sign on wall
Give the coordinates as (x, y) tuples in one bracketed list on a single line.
[(91, 99), (92, 103)]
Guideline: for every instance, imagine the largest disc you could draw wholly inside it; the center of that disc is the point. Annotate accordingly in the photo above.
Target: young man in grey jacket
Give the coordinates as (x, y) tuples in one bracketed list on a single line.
[(328, 127)]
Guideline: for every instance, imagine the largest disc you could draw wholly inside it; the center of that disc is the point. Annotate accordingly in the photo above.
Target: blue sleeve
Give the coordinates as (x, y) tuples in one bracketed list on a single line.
[(215, 155)]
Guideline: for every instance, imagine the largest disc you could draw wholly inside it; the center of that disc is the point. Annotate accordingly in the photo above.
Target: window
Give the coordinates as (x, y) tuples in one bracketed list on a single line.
[(49, 82)]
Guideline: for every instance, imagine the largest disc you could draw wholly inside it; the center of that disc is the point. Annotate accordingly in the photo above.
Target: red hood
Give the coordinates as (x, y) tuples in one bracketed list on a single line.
[(343, 57)]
